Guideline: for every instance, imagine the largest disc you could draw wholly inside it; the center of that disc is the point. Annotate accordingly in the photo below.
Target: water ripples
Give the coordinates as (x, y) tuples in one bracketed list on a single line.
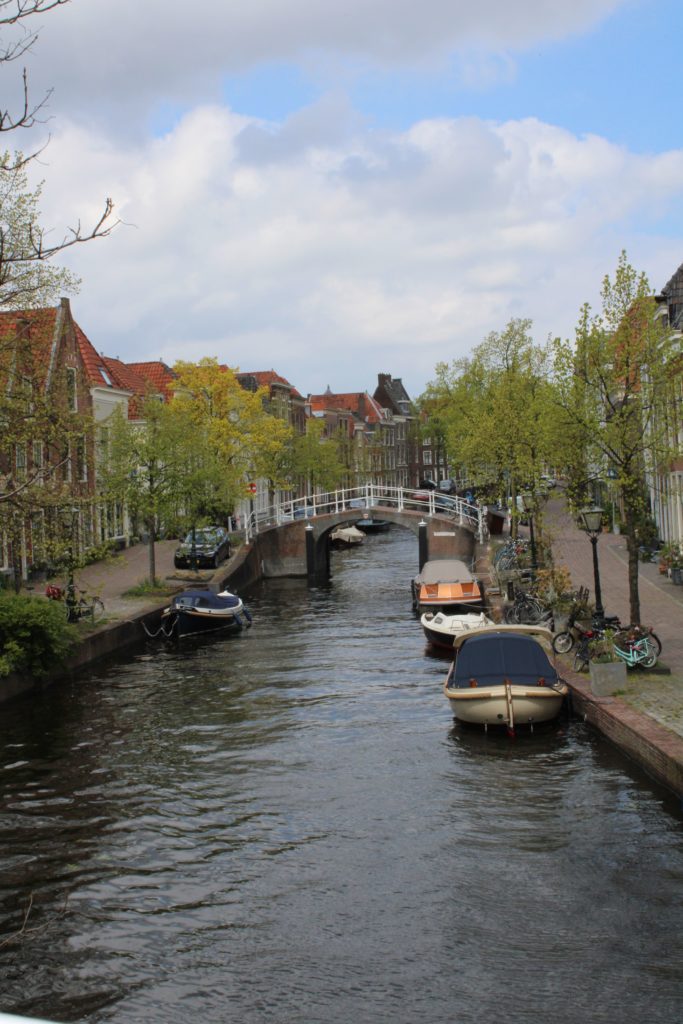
[(286, 826)]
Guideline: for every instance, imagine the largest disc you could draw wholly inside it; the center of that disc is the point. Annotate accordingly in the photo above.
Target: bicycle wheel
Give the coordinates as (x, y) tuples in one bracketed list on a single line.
[(530, 611), (650, 654), (563, 642), (97, 609), (511, 615), (654, 639), (581, 659)]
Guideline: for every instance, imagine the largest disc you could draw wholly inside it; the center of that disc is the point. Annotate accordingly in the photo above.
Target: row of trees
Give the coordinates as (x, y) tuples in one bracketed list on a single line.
[(600, 404)]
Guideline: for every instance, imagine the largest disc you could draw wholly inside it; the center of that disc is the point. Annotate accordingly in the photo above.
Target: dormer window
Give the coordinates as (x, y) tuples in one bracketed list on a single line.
[(105, 375)]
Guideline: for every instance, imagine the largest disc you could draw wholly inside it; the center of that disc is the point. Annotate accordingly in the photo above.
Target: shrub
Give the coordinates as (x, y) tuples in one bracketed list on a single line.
[(34, 635)]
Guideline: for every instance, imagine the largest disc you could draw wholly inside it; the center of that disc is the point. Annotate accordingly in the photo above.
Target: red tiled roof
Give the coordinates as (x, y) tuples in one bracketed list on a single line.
[(157, 373), (42, 325), (265, 378), (358, 402)]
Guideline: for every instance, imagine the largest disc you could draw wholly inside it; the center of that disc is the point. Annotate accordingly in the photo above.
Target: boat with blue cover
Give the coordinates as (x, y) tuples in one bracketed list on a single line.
[(502, 675), (202, 611)]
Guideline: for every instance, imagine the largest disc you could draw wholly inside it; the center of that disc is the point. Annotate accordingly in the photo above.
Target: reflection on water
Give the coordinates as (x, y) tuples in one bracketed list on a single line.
[(285, 825)]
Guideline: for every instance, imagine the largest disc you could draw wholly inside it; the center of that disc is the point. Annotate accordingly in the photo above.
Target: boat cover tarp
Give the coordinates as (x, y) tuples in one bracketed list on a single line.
[(205, 599), (498, 656), (445, 570)]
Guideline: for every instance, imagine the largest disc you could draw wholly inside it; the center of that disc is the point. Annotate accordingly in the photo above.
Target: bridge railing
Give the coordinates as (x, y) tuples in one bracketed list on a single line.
[(364, 499)]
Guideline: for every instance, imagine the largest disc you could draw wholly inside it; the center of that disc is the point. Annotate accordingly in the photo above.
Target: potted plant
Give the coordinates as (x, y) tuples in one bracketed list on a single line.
[(607, 671)]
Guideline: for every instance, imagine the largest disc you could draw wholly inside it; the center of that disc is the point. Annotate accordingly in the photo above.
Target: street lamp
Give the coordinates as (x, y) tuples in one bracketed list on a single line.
[(529, 505), (590, 520)]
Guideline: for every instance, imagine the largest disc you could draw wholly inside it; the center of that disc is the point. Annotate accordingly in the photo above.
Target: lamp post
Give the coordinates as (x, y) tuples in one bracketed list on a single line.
[(590, 520), (529, 505)]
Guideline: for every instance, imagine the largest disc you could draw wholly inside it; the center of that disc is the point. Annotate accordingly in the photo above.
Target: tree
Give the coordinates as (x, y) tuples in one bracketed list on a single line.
[(44, 442), (240, 438), (496, 410), (141, 466), (25, 278), (316, 459), (613, 389), (13, 13)]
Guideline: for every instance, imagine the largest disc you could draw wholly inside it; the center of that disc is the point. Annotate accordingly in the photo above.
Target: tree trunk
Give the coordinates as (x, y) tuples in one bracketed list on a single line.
[(632, 546), (151, 529)]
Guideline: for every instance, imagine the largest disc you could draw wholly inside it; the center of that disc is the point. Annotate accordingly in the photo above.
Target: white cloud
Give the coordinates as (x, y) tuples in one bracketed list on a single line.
[(334, 253), (128, 54)]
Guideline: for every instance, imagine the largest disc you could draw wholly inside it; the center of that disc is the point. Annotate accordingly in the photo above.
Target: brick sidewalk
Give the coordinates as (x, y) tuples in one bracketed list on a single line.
[(658, 696)]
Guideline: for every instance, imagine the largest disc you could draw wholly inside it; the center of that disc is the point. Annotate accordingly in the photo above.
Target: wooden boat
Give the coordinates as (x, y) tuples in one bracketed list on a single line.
[(202, 611), (441, 629), (346, 537), (446, 584), (503, 676)]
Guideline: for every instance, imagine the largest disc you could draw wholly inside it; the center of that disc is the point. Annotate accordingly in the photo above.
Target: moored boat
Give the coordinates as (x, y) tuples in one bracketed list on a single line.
[(368, 524), (346, 537), (445, 584), (441, 629), (202, 611), (503, 676)]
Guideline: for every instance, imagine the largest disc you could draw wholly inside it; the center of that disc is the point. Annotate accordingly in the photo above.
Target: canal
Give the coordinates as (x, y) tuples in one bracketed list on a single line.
[(286, 826)]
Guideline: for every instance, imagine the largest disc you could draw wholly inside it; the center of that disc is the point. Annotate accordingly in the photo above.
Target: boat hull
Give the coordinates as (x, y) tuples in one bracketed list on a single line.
[(190, 623), (506, 705), (442, 629), (373, 525)]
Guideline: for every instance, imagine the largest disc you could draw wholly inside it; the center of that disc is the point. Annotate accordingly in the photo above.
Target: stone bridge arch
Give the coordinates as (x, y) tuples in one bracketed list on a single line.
[(301, 547)]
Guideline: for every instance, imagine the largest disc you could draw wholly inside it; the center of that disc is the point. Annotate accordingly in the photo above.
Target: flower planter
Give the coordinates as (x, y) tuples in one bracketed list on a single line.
[(607, 677)]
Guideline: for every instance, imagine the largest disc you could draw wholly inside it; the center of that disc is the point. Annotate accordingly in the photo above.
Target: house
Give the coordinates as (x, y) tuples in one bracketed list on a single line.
[(47, 481), (666, 487)]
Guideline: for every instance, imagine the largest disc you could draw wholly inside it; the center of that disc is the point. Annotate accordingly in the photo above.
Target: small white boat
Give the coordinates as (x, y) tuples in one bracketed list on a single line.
[(503, 676), (346, 537), (441, 629)]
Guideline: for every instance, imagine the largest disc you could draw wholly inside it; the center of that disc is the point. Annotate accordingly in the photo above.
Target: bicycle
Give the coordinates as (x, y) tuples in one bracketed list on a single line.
[(77, 605), (524, 608), (635, 647)]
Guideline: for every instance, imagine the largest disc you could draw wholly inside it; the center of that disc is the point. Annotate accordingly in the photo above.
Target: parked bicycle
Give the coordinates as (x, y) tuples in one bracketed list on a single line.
[(564, 641), (77, 604), (635, 646), (525, 608)]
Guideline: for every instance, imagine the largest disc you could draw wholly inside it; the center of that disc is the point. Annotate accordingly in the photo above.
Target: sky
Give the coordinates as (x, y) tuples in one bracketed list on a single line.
[(336, 190)]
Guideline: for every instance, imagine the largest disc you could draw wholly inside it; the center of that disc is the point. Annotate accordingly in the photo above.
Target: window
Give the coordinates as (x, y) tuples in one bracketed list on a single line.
[(71, 392), (81, 460), (20, 461), (38, 459), (427, 458)]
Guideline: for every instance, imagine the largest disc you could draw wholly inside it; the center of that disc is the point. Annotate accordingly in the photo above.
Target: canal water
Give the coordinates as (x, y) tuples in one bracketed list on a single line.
[(286, 826)]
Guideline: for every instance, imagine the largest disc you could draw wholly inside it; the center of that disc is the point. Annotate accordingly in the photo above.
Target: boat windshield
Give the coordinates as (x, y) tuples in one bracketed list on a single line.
[(491, 659)]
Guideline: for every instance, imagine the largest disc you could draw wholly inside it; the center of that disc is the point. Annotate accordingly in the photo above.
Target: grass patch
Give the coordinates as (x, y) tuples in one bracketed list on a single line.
[(147, 588)]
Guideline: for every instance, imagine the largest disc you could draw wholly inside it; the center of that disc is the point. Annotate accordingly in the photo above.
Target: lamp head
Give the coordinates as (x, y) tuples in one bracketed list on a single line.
[(590, 520)]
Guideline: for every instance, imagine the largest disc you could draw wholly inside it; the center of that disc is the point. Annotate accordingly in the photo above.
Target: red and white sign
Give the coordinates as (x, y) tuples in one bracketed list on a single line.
[(252, 488)]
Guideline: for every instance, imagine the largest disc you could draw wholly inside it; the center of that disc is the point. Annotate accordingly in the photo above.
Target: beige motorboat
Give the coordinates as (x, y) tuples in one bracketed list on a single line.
[(503, 676)]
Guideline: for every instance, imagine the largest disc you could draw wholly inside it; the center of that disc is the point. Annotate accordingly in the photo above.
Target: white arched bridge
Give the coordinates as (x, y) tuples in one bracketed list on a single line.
[(292, 537)]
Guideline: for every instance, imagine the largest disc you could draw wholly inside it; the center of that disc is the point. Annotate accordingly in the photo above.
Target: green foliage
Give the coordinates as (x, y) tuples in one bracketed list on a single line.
[(145, 587), (26, 280), (497, 412), (316, 459), (34, 635), (614, 387)]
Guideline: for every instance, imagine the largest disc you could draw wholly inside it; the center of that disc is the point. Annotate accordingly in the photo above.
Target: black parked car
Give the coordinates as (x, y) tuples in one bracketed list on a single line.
[(211, 547)]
